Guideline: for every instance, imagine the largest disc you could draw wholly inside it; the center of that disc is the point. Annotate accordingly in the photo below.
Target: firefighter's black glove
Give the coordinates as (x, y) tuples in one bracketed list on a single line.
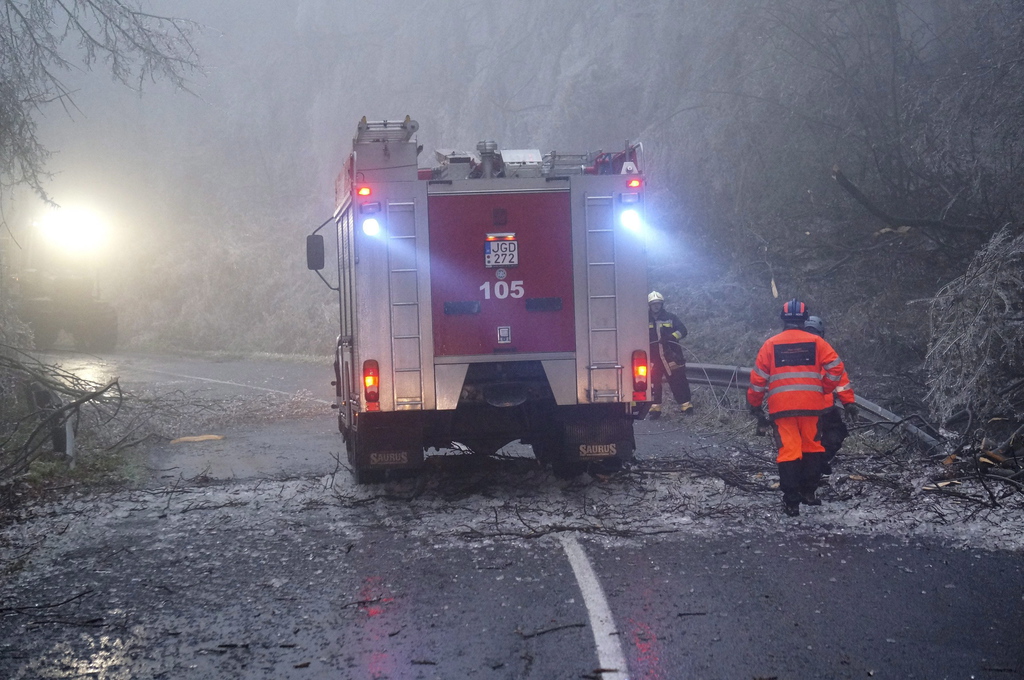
[(762, 420), (850, 410), (763, 425)]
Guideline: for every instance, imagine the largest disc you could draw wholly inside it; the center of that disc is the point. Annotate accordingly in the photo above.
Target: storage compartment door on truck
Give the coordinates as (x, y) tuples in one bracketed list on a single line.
[(501, 273)]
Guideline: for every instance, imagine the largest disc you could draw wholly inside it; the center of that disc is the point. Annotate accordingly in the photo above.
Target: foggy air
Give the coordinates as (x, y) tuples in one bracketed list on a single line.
[(214, 465)]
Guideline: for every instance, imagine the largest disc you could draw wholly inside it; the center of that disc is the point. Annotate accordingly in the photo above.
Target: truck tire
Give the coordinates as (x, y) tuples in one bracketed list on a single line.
[(363, 476), (550, 452), (568, 470), (543, 451)]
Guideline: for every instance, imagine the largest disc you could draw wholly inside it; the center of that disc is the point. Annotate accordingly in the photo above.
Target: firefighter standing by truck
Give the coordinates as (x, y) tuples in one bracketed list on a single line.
[(795, 370), (667, 360), (831, 425)]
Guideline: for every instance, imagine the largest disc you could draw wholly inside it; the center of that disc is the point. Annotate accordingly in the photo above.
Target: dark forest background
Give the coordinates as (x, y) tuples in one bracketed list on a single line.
[(864, 155)]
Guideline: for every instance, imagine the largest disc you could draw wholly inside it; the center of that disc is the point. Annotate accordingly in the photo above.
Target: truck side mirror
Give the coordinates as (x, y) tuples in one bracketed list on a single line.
[(315, 252)]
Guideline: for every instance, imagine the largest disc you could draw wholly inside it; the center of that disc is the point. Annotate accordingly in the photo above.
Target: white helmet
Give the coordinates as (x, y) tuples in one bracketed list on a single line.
[(655, 296)]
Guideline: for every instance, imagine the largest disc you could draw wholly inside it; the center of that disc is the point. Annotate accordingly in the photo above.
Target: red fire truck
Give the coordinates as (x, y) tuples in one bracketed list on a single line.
[(498, 296)]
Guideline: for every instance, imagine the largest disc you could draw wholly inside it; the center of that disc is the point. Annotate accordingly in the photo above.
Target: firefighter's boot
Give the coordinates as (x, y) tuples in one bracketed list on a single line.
[(789, 484), (826, 465), (655, 412), (810, 473), (686, 408), (810, 476)]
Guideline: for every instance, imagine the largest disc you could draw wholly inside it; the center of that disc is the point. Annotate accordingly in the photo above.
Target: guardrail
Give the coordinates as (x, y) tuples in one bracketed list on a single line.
[(738, 377)]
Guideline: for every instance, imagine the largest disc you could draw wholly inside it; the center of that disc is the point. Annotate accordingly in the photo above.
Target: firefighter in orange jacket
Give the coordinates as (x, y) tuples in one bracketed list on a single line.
[(830, 424), (795, 370), (667, 360)]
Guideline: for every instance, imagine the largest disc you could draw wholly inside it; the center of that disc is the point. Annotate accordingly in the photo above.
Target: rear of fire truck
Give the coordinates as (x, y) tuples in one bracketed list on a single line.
[(498, 296)]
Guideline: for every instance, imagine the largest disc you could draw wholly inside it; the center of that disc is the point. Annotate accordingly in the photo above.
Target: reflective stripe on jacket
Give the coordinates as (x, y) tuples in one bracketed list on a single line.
[(665, 327), (796, 370), (844, 390), (667, 330)]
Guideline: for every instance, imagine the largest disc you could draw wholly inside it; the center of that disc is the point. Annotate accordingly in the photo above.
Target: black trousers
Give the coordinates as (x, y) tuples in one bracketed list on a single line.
[(677, 381), (802, 476)]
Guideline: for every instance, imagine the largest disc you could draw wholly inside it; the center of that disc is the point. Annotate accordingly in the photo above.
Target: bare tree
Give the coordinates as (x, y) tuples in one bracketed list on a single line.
[(41, 40), (859, 152)]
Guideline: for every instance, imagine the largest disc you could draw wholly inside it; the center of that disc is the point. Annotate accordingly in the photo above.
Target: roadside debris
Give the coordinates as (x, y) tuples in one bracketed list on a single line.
[(198, 438)]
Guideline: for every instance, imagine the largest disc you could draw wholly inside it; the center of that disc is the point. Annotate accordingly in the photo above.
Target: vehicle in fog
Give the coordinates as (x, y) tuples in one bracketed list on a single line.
[(497, 296), (57, 285)]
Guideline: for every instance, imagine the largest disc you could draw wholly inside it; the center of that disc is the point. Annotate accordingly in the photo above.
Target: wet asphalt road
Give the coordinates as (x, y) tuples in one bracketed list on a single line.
[(236, 577)]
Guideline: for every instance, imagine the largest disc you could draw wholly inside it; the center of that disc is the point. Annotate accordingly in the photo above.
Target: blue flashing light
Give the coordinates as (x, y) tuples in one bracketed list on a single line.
[(371, 227)]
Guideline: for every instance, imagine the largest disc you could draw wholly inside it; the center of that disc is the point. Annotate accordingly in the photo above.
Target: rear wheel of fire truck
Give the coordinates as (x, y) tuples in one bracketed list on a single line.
[(364, 476), (553, 453), (542, 451), (565, 469)]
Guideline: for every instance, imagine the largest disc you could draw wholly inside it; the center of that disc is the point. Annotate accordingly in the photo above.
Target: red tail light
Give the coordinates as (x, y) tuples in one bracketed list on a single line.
[(633, 183), (371, 384), (639, 375), (364, 191)]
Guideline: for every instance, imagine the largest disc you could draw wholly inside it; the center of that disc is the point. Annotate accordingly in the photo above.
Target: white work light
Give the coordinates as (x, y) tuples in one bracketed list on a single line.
[(371, 227), (76, 231), (630, 219)]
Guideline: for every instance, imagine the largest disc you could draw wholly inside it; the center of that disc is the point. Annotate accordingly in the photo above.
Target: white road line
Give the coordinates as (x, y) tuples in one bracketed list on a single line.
[(225, 382), (609, 648)]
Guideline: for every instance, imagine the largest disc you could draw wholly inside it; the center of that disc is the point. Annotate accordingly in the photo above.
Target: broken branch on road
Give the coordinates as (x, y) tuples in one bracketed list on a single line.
[(25, 609), (553, 629)]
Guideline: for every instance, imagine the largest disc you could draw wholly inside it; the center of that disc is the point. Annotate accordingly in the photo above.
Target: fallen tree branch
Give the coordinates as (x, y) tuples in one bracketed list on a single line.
[(553, 629), (893, 220), (36, 607)]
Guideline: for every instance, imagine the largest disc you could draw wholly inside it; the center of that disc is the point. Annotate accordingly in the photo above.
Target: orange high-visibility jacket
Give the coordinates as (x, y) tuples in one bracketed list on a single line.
[(796, 370)]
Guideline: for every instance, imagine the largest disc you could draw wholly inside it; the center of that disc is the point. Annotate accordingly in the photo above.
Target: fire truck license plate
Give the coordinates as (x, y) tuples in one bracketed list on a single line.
[(502, 252)]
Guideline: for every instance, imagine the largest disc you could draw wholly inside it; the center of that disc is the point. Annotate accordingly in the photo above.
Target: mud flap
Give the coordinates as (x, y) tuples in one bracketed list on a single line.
[(384, 442), (598, 433), (598, 437)]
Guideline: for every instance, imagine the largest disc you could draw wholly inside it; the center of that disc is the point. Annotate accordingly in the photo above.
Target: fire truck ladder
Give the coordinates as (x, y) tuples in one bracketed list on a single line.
[(604, 371), (386, 130), (406, 341)]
